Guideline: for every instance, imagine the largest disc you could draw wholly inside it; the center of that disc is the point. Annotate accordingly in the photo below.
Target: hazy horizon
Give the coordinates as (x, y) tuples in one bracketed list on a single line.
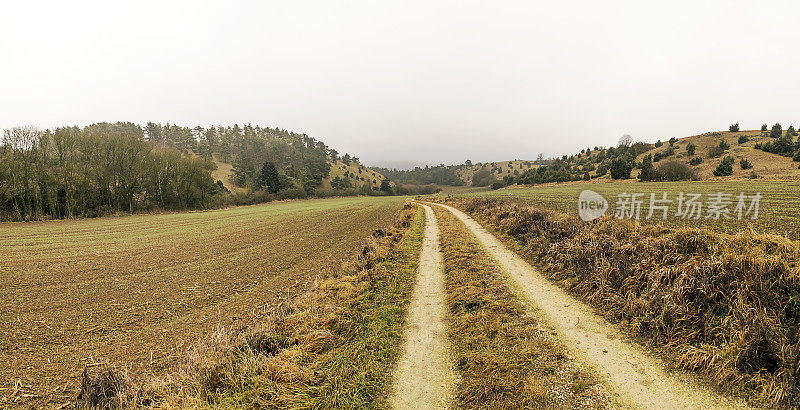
[(407, 83)]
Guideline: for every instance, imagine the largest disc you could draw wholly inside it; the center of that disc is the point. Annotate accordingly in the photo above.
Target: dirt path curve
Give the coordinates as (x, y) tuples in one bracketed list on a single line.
[(425, 377), (637, 377)]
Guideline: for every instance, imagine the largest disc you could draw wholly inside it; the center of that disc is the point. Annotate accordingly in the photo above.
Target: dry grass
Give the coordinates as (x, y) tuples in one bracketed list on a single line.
[(136, 291), (725, 306), (505, 358), (330, 347)]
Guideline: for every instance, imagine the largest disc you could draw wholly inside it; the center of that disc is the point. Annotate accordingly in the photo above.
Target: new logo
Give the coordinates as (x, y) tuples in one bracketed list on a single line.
[(591, 205)]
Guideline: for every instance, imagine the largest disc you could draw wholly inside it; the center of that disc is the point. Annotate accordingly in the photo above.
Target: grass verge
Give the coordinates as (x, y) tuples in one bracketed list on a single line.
[(505, 357), (725, 306), (333, 346)]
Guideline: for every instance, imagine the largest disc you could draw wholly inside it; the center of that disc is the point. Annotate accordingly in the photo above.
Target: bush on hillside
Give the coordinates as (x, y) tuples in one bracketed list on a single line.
[(725, 167), (719, 149), (663, 154), (745, 163), (743, 139), (696, 161), (734, 127), (675, 171), (621, 168), (776, 131), (690, 148)]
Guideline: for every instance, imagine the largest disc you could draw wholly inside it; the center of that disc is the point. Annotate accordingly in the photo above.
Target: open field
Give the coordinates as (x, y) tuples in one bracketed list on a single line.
[(778, 213), (138, 290)]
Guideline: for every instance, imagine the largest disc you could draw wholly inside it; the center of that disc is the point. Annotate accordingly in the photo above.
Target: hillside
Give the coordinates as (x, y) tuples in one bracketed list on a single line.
[(357, 175), (498, 169), (765, 164), (773, 158)]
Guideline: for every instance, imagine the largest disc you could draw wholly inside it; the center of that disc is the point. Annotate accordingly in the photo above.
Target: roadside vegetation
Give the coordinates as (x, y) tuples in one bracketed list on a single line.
[(725, 306), (332, 347), (505, 357)]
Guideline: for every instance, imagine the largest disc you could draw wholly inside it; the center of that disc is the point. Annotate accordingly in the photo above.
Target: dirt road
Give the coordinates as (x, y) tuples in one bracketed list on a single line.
[(637, 377), (425, 377)]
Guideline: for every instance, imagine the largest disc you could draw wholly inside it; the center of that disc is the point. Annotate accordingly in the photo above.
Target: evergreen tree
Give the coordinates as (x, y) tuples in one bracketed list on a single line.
[(776, 131), (621, 168), (270, 178)]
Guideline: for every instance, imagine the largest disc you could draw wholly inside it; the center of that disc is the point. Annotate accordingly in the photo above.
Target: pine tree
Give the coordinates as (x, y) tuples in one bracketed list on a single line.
[(270, 179)]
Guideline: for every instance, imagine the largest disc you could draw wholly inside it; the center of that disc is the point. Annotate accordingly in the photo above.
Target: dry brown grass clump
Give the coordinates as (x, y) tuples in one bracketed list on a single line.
[(505, 357), (330, 347), (726, 306)]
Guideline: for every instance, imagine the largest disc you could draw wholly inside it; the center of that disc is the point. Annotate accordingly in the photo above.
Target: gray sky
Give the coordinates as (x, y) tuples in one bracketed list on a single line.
[(419, 81)]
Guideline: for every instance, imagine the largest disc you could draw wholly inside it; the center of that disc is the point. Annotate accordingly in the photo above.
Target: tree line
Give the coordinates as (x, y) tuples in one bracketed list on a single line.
[(102, 168), (123, 167)]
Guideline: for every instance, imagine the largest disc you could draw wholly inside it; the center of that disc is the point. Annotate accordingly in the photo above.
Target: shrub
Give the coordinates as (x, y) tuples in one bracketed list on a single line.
[(734, 127), (690, 149), (717, 150), (621, 168), (764, 127), (696, 161), (725, 167), (753, 175), (675, 171), (796, 156), (745, 163), (663, 154), (776, 131), (586, 176), (743, 139), (658, 143), (648, 173)]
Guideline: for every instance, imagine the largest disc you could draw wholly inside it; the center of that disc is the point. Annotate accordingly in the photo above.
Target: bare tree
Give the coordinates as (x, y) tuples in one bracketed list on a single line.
[(625, 141)]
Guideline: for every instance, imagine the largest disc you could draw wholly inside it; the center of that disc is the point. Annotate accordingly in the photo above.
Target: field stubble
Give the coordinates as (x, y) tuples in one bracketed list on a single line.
[(137, 291)]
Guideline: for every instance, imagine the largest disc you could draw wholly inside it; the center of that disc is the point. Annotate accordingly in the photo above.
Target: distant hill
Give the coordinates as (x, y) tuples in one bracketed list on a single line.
[(778, 159), (765, 164)]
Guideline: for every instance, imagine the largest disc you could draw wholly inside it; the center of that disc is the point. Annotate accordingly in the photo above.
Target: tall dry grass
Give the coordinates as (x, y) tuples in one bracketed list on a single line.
[(725, 306)]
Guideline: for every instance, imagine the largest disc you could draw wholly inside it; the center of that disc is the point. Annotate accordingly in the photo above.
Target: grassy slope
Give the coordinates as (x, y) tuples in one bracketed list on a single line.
[(503, 168), (223, 173), (778, 211), (338, 169), (116, 289), (765, 164)]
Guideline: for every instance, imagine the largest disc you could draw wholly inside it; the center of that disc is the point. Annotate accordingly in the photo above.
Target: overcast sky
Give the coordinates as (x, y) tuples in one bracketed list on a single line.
[(399, 82)]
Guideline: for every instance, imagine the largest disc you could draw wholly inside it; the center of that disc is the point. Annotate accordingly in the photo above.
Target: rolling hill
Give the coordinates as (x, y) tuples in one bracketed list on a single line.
[(765, 164)]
